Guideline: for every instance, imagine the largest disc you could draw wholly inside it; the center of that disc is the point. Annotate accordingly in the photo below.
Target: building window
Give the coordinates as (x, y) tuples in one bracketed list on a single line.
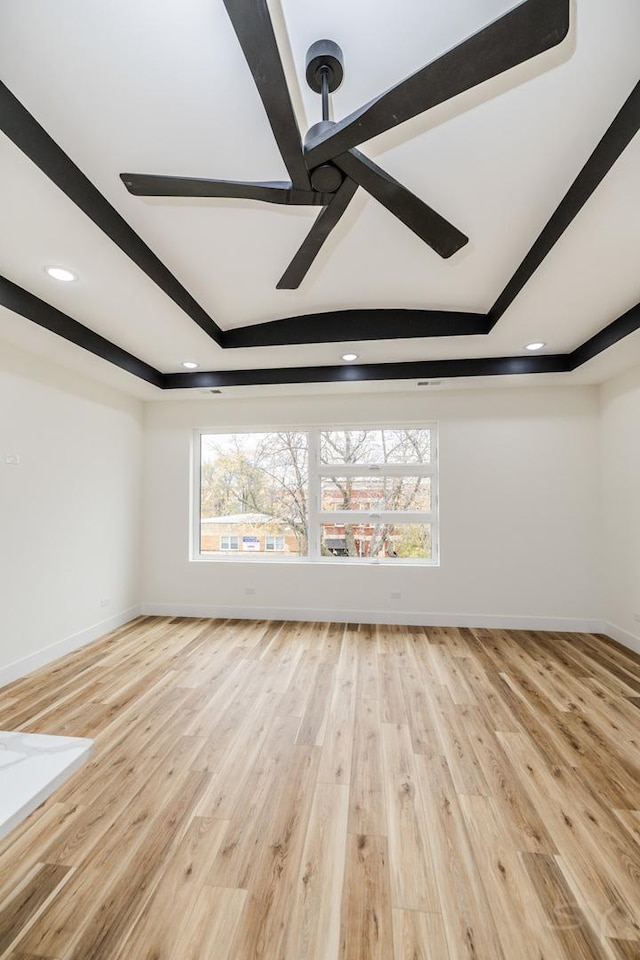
[(366, 494), (229, 543), (273, 543)]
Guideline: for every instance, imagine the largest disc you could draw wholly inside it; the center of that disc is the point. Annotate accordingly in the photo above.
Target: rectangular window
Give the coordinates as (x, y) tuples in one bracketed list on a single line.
[(273, 543), (348, 495), (228, 543)]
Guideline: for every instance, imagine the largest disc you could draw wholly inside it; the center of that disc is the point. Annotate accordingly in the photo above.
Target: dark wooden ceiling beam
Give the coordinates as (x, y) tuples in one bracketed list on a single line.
[(22, 302), (618, 136), (625, 325), (27, 305), (339, 326), (34, 141), (353, 373)]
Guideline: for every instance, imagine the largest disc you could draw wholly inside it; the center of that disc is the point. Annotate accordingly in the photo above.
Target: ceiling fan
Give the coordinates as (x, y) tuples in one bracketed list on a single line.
[(328, 170)]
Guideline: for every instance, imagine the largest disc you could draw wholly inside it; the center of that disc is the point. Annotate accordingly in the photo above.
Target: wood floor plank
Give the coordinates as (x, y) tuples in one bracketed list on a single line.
[(15, 955), (337, 749), (518, 914), (630, 819), (27, 900), (295, 699), (368, 677), (452, 674), (67, 917), (118, 909), (422, 726), (366, 925), (314, 927), (230, 781), (513, 804), (393, 705), (413, 881), (270, 880), (321, 791), (470, 928), (314, 719), (455, 724), (419, 936), (278, 768), (367, 809), (269, 632), (164, 926), (332, 643), (577, 938), (27, 841), (212, 925), (553, 792), (625, 949)]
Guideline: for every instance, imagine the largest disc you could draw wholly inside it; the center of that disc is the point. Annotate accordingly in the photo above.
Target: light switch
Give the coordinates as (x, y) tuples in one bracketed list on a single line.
[(12, 458)]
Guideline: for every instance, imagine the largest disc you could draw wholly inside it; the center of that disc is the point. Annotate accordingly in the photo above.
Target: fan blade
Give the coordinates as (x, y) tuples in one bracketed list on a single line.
[(441, 235), (151, 185), (252, 23), (326, 221), (531, 28)]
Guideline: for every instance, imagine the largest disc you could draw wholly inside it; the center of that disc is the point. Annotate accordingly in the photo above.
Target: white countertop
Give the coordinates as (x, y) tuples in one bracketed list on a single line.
[(32, 766)]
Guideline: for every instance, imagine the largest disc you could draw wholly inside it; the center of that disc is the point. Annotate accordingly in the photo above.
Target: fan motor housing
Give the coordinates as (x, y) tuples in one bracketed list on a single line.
[(326, 178)]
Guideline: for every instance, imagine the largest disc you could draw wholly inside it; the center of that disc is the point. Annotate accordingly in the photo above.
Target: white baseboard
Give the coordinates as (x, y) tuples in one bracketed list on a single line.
[(20, 668), (617, 633), (373, 616)]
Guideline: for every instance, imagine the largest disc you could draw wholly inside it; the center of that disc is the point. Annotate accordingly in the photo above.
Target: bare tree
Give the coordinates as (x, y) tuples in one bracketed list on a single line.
[(269, 474), (283, 459), (394, 493)]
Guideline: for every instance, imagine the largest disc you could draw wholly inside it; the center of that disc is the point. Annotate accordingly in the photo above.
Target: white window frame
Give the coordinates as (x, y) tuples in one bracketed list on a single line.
[(316, 516)]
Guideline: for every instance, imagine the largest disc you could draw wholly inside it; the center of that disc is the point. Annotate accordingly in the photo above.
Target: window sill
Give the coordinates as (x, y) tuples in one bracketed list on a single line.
[(337, 562)]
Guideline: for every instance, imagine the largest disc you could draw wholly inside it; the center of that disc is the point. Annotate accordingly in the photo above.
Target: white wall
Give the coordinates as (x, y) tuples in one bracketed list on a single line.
[(69, 512), (540, 512), (519, 502), (620, 453)]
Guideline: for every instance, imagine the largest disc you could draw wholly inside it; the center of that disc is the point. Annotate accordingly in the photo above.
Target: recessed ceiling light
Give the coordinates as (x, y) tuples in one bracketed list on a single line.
[(60, 273), (189, 364), (537, 345), (349, 357)]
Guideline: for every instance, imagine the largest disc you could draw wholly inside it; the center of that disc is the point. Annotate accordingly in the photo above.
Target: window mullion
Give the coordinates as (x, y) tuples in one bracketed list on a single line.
[(384, 470), (313, 506), (196, 496), (377, 516)]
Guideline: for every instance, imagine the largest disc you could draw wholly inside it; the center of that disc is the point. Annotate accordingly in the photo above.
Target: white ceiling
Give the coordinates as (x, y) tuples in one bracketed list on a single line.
[(160, 87)]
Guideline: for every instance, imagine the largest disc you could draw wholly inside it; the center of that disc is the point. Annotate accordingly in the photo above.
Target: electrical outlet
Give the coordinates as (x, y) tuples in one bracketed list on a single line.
[(636, 617), (249, 591), (105, 602), (13, 458), (395, 594)]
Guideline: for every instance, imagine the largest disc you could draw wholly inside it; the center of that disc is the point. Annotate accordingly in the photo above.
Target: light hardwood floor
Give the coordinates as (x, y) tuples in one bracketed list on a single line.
[(332, 792)]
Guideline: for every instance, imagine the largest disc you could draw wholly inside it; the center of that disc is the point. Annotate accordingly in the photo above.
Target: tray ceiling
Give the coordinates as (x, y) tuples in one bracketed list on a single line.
[(164, 88)]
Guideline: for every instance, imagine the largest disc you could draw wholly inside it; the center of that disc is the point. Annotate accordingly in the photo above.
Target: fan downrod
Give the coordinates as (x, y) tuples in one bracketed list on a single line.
[(324, 72)]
